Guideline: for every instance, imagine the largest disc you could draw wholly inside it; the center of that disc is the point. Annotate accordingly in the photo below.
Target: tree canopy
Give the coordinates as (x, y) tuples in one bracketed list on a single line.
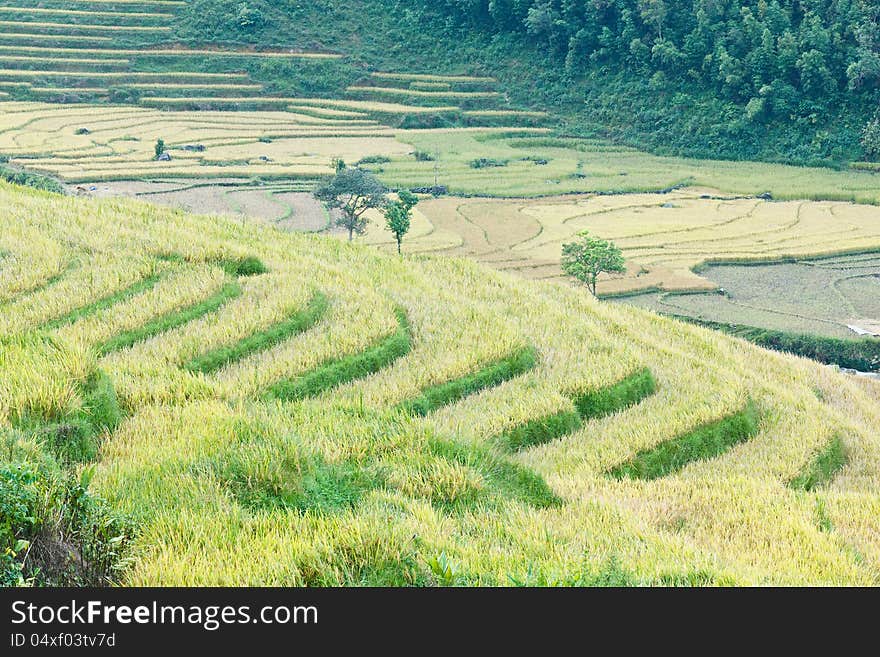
[(589, 257), (353, 192)]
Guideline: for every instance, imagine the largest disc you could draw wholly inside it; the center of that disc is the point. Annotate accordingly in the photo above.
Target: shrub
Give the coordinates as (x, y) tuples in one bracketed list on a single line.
[(486, 163), (53, 532), (35, 180), (871, 139)]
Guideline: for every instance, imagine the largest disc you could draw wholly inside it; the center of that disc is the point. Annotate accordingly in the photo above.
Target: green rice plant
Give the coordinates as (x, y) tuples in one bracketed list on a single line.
[(243, 266), (704, 442), (74, 437), (508, 480), (450, 392), (297, 322), (307, 485), (171, 320), (822, 468), (540, 431), (630, 391), (349, 368), (103, 303)]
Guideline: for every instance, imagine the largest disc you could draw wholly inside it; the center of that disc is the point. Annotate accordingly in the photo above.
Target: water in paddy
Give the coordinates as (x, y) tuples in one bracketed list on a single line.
[(812, 296)]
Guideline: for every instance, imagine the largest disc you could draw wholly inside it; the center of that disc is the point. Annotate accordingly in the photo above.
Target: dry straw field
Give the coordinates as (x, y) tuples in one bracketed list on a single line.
[(342, 414), (664, 237)]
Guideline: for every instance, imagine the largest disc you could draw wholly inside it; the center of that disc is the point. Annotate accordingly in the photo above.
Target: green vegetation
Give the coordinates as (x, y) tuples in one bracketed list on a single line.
[(822, 468), (862, 354), (704, 442), (53, 531), (398, 216), (29, 179), (297, 322), (622, 395), (540, 431), (589, 257), (495, 374), (103, 303), (74, 437), (353, 192), (171, 320), (349, 368), (769, 80), (588, 406)]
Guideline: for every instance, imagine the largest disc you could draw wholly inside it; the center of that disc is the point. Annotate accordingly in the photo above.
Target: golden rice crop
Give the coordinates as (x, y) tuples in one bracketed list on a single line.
[(664, 237), (85, 27), (416, 93), (79, 12), (29, 37), (191, 441)]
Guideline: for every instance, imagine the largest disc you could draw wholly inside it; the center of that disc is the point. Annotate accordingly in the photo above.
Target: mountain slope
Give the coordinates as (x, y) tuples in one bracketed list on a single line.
[(297, 410), (789, 80)]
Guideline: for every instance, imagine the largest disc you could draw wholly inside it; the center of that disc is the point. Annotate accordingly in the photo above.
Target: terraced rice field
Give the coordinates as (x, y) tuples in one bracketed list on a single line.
[(830, 296), (58, 52), (82, 144), (340, 413), (286, 205), (128, 53), (664, 237)]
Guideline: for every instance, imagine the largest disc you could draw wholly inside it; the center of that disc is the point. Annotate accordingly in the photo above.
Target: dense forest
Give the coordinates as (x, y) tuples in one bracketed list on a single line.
[(786, 80)]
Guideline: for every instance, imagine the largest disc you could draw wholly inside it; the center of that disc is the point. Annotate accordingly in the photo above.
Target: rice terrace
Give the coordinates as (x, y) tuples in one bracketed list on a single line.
[(220, 370)]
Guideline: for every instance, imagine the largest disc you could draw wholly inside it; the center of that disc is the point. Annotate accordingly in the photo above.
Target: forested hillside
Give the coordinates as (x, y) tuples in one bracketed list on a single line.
[(790, 80)]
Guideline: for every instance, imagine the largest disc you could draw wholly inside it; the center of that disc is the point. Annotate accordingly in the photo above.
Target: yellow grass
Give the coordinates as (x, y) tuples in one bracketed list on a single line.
[(87, 28), (78, 12), (127, 75), (171, 52), (30, 37), (66, 60), (172, 465), (120, 142)]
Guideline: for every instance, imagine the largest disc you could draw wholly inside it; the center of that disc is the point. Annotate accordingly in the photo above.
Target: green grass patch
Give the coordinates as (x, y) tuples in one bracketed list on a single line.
[(505, 480), (243, 266), (349, 368), (103, 303), (822, 468), (452, 391), (589, 405), (310, 485), (75, 437), (630, 391), (704, 442), (540, 431), (297, 322), (171, 320), (239, 266), (28, 179), (612, 575)]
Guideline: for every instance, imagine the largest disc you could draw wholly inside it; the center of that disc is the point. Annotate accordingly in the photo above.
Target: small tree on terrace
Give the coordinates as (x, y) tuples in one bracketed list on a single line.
[(589, 257), (353, 191), (398, 215)]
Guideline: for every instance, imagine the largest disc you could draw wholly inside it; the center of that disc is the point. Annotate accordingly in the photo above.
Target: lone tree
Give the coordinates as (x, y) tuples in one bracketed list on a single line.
[(159, 147), (589, 257), (398, 215), (353, 191)]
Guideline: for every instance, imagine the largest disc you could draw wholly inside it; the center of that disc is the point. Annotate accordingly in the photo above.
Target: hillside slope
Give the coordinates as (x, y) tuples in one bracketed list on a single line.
[(790, 80), (296, 410), (779, 80)]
